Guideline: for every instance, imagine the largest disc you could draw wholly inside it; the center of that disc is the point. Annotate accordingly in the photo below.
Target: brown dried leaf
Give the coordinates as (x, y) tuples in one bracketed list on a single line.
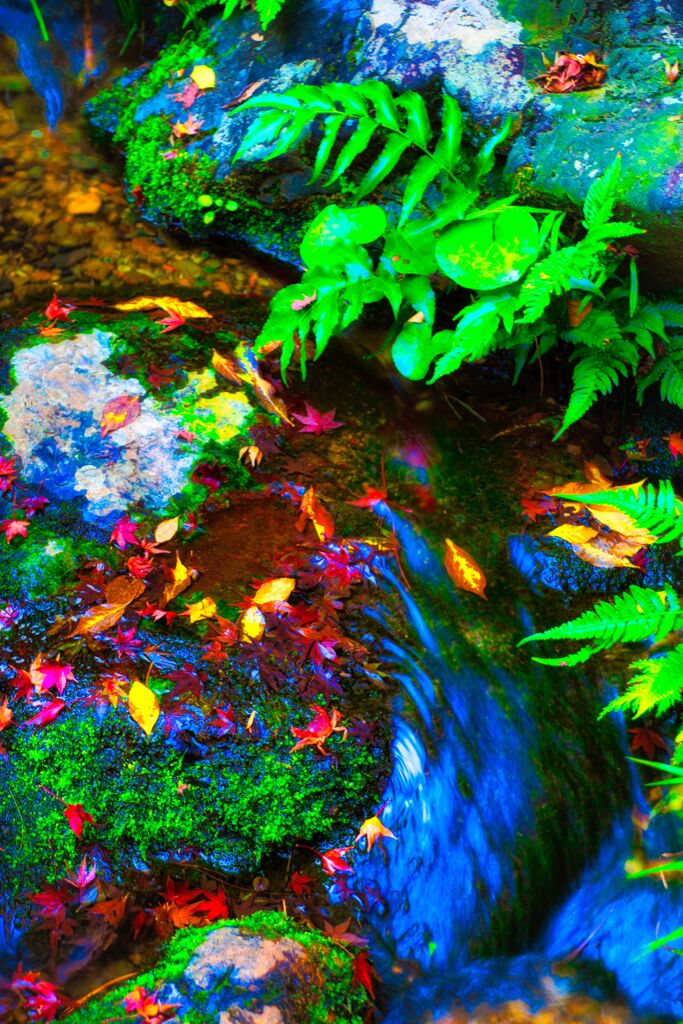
[(123, 589)]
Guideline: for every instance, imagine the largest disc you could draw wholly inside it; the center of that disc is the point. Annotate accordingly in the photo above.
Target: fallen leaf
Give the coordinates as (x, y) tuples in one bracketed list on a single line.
[(98, 619), (77, 817), (272, 592), (204, 609), (143, 706), (572, 72), (166, 302), (245, 94), (675, 444), (372, 829), (180, 579), (312, 509), (228, 367), (118, 413), (166, 530), (251, 625), (574, 534), (123, 589), (463, 570), (203, 76)]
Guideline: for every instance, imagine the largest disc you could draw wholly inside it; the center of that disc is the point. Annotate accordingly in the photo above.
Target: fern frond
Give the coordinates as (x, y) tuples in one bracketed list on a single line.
[(596, 373), (601, 196), (668, 370), (672, 313), (268, 10), (598, 329), (660, 512), (656, 686), (473, 338), (634, 616), (403, 120)]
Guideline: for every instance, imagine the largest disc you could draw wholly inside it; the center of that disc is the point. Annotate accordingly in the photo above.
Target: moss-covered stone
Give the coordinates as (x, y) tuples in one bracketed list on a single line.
[(242, 799), (334, 998)]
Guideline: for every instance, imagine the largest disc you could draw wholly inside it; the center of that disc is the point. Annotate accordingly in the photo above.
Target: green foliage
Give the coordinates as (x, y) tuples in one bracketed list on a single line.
[(658, 511), (267, 10), (513, 259), (633, 617)]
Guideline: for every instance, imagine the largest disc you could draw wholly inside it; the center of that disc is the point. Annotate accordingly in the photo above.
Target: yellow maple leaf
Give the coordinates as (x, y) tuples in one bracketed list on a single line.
[(273, 591), (168, 303), (143, 706), (251, 625), (372, 829), (203, 76), (204, 609)]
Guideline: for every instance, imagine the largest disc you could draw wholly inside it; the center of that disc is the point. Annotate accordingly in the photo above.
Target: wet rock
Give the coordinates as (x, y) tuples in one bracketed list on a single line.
[(53, 423), (70, 257)]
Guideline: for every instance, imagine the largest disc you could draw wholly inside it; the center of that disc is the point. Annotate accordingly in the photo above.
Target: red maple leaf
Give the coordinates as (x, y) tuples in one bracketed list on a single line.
[(372, 497), (54, 674), (648, 741), (675, 444), (124, 533), (14, 528), (56, 310), (363, 972), (315, 422), (318, 729), (333, 861), (172, 321), (224, 721), (8, 474), (77, 817), (47, 714), (189, 127), (140, 566), (215, 906), (35, 504), (300, 884)]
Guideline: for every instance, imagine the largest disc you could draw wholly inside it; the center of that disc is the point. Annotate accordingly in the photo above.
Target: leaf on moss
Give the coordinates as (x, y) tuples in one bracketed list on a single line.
[(143, 706)]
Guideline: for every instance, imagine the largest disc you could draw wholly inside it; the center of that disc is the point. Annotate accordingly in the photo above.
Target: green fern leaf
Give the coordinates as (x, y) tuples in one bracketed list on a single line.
[(595, 374), (267, 10), (423, 174), (356, 144), (672, 313), (659, 511), (380, 96), (472, 338), (668, 370), (633, 617), (598, 329), (331, 126), (601, 196), (418, 129), (656, 686), (486, 157), (393, 150), (448, 147), (348, 97)]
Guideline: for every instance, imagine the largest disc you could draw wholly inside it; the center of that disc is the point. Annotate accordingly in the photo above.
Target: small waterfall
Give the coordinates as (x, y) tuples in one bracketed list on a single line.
[(512, 807)]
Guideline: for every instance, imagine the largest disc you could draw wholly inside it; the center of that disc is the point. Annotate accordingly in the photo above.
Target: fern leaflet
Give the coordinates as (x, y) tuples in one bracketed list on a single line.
[(634, 616), (657, 685), (659, 512), (596, 373)]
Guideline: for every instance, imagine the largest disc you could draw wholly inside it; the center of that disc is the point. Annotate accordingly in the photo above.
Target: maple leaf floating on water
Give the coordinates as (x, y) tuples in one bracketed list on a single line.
[(118, 413), (572, 72), (315, 422), (169, 304), (463, 570), (372, 829)]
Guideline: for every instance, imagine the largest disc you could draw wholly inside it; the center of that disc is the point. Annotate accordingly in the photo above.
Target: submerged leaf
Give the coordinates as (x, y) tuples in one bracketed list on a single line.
[(463, 570)]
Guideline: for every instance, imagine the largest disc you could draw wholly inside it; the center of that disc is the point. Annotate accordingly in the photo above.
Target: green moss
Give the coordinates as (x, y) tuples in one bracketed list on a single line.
[(244, 799), (338, 1001), (37, 566)]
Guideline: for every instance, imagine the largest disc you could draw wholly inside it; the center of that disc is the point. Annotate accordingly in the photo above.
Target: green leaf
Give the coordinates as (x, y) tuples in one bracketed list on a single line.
[(411, 350), (633, 287), (420, 294), (267, 10), (331, 126), (601, 196), (380, 96), (357, 143), (656, 685), (659, 511), (471, 339), (348, 96), (263, 131), (634, 616), (596, 373), (394, 148), (448, 147), (417, 129), (423, 173), (337, 228), (488, 253), (486, 157)]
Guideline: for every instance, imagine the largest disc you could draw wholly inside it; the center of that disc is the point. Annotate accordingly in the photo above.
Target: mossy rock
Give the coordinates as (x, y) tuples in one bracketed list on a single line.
[(231, 803), (263, 965)]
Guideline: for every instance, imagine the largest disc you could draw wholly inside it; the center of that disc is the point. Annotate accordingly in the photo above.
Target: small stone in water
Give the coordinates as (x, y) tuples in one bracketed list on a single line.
[(83, 202)]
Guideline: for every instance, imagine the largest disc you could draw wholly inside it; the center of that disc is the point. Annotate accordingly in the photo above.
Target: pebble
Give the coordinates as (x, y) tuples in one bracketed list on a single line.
[(83, 202)]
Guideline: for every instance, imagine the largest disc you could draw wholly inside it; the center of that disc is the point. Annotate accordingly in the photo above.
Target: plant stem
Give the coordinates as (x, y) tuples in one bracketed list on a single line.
[(41, 21)]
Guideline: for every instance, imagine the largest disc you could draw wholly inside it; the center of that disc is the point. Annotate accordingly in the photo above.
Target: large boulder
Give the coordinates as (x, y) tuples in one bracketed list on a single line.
[(486, 54)]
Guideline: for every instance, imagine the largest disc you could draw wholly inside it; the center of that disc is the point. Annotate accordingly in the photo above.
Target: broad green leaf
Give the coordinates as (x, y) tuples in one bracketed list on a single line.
[(420, 294), (400, 256), (488, 253), (335, 226), (411, 351)]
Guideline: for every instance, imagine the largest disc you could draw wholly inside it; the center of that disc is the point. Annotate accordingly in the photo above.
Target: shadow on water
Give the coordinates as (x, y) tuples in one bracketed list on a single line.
[(512, 805)]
